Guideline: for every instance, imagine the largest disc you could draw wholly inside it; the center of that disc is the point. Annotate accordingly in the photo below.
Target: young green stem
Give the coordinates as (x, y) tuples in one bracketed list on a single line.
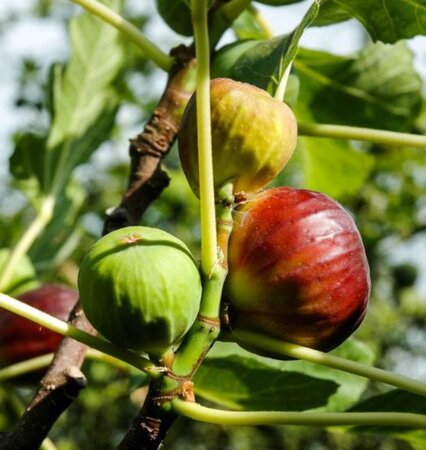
[(210, 415), (208, 224), (362, 134), (207, 326), (65, 329), (150, 50), (33, 231), (282, 84), (24, 367), (326, 359), (40, 362)]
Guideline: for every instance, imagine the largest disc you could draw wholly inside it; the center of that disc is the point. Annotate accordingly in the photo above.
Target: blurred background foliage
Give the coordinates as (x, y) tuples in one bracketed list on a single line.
[(383, 187)]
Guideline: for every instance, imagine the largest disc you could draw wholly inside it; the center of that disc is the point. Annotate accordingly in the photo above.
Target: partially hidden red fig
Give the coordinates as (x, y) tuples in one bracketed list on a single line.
[(21, 339), (253, 136), (297, 269)]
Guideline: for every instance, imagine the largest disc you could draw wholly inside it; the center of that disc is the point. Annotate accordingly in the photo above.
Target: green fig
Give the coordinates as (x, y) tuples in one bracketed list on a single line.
[(253, 136), (140, 288)]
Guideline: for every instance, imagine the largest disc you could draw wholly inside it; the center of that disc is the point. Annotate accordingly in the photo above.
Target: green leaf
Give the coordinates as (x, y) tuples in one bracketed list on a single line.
[(177, 15), (82, 149), (333, 167), (27, 160), (278, 2), (23, 277), (61, 230), (351, 386), (82, 93), (394, 401), (243, 383), (247, 26), (385, 20), (378, 89), (226, 57), (264, 64), (331, 13)]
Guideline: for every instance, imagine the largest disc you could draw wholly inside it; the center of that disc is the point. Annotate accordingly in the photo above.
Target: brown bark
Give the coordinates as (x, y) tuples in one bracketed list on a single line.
[(151, 425), (58, 388), (147, 150)]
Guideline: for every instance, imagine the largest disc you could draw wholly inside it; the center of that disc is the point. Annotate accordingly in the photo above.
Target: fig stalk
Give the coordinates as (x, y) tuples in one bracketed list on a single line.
[(383, 137), (204, 137), (206, 328), (210, 415), (287, 349), (58, 326)]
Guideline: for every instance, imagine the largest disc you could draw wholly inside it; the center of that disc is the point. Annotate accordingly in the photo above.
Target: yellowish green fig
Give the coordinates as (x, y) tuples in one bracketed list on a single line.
[(253, 136), (140, 288)]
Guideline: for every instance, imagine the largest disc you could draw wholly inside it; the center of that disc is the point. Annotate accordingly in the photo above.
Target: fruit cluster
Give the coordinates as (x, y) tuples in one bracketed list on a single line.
[(297, 266)]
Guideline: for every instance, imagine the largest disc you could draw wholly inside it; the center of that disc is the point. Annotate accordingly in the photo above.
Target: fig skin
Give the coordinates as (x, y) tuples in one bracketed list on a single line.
[(253, 136), (140, 288), (297, 270), (21, 339)]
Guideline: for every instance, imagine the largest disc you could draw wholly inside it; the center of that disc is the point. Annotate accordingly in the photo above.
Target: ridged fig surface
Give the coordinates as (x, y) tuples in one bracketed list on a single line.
[(21, 339), (253, 136), (297, 269), (140, 287)]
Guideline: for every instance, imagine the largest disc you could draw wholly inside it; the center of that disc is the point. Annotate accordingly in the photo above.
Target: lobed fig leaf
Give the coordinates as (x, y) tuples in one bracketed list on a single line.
[(253, 136), (297, 269), (140, 287)]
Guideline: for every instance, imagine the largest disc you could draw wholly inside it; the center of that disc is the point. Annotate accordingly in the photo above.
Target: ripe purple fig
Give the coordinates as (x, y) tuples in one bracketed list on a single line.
[(253, 136), (21, 339), (297, 269)]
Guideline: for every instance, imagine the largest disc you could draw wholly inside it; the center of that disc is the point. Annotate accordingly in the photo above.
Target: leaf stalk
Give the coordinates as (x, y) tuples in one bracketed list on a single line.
[(149, 49), (209, 255), (65, 329), (326, 359), (198, 412), (376, 136)]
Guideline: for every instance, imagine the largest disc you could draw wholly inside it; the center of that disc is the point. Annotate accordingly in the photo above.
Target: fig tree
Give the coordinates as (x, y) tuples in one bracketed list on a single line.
[(140, 287), (253, 136), (21, 339), (297, 269)]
